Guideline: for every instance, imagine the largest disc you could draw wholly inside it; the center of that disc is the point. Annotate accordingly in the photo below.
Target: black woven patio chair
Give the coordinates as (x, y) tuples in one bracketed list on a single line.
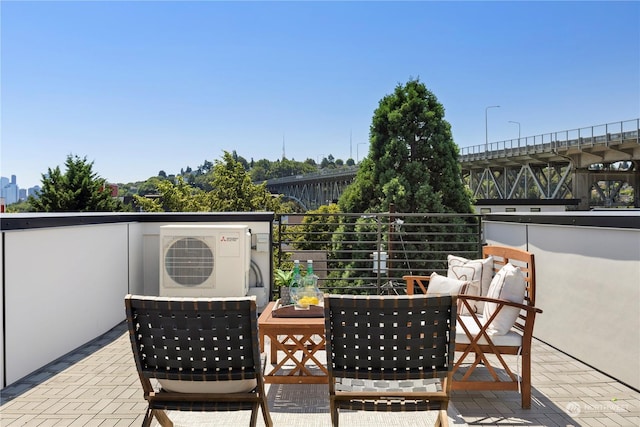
[(390, 353), (204, 353)]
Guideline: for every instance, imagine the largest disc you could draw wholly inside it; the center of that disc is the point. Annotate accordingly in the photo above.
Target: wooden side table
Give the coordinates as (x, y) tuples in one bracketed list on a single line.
[(299, 338)]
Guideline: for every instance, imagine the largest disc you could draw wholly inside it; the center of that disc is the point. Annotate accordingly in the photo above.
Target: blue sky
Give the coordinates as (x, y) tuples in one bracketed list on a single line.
[(139, 87)]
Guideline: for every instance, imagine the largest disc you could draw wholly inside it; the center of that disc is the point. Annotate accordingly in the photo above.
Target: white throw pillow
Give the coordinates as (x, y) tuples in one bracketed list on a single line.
[(477, 271), (446, 286), (508, 284)]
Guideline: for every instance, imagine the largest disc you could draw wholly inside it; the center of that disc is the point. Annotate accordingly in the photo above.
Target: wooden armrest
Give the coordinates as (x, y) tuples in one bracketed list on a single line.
[(525, 307), (414, 277), (524, 322)]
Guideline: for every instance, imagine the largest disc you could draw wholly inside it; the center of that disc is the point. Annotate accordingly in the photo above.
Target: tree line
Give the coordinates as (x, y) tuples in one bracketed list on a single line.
[(412, 163), (260, 170)]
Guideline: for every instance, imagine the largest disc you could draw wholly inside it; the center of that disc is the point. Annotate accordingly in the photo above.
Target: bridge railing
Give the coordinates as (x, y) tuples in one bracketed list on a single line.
[(605, 134), (322, 173), (369, 253)]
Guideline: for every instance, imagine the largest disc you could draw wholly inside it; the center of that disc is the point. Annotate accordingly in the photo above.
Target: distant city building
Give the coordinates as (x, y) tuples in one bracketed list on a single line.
[(11, 193)]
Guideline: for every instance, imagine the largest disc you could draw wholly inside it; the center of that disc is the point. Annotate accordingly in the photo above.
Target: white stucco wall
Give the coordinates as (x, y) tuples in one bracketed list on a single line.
[(65, 286), (588, 284)]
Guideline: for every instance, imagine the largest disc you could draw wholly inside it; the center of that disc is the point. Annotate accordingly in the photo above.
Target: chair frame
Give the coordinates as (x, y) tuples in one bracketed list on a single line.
[(162, 332), (480, 349), (383, 338)]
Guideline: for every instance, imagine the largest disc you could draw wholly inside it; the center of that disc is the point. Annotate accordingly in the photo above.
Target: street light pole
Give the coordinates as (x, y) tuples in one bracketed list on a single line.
[(486, 127), (518, 123)]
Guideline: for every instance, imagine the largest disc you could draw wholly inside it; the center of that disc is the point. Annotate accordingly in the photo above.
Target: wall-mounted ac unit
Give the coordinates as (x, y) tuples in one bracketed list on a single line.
[(205, 260)]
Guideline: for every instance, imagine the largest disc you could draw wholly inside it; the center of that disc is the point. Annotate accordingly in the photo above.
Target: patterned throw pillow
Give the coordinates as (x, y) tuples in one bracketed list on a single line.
[(508, 284), (478, 271)]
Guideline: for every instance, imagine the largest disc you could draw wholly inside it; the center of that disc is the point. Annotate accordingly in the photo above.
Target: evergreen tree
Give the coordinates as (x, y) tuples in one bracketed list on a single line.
[(413, 165), (412, 162), (79, 189)]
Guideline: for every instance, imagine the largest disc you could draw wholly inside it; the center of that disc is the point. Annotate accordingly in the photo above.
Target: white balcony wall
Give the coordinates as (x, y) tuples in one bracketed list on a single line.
[(136, 272), (2, 326), (65, 286), (588, 284)]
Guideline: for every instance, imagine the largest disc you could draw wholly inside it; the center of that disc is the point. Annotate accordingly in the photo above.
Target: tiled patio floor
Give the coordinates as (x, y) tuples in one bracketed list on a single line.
[(97, 385)]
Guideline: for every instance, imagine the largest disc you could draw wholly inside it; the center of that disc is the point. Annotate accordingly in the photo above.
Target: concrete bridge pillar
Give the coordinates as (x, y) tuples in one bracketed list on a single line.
[(581, 188)]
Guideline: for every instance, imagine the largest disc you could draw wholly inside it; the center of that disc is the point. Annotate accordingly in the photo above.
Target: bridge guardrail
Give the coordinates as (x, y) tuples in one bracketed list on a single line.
[(606, 134), (345, 170)]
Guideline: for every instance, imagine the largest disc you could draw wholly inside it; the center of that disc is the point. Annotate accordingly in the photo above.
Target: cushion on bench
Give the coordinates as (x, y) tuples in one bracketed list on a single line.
[(477, 271), (441, 285), (508, 284)]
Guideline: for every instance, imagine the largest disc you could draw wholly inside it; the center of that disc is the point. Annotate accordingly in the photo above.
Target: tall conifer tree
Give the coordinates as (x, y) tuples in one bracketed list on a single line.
[(412, 160)]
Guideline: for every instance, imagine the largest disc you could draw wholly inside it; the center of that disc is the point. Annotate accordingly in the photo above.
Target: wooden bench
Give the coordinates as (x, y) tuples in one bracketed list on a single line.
[(473, 339)]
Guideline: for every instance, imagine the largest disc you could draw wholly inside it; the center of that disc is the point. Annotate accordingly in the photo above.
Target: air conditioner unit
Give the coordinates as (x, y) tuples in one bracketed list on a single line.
[(205, 260)]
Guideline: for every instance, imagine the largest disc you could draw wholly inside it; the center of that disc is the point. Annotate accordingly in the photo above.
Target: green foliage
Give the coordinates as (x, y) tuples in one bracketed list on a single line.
[(412, 162), (78, 189), (316, 231), (20, 207), (232, 191), (179, 197), (352, 244), (282, 277), (149, 186), (260, 170), (413, 166), (264, 169)]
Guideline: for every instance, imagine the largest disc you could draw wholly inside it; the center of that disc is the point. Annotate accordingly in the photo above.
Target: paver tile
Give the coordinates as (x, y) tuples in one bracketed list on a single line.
[(98, 386)]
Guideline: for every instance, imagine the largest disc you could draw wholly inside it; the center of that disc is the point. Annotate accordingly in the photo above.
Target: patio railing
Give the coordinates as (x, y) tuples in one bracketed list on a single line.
[(369, 253)]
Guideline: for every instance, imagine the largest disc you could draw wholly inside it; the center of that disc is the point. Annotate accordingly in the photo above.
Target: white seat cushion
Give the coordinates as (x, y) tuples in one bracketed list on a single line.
[(231, 386), (512, 338)]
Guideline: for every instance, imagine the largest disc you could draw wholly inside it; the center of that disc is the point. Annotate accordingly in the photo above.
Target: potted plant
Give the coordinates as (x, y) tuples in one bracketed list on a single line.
[(282, 279)]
